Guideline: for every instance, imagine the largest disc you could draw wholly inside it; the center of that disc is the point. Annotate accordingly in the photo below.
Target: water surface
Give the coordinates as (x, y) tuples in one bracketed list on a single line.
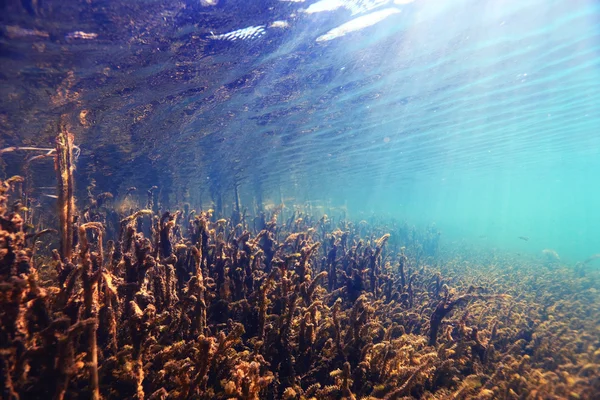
[(480, 116)]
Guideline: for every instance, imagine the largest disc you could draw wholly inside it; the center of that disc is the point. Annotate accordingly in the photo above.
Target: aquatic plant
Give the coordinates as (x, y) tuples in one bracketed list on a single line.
[(146, 303)]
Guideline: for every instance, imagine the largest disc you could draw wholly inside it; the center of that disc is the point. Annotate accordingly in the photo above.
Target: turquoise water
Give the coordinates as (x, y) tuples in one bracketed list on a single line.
[(485, 120), (479, 116)]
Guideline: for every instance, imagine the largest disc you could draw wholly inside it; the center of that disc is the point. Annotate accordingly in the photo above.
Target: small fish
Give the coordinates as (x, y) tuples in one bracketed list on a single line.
[(52, 196), (525, 238), (482, 237)]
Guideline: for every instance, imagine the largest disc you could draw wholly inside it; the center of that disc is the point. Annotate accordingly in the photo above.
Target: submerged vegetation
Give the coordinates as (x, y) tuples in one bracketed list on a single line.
[(112, 291), (139, 302)]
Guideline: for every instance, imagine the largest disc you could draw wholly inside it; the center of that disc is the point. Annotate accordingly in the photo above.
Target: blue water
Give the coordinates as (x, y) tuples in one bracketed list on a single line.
[(479, 116)]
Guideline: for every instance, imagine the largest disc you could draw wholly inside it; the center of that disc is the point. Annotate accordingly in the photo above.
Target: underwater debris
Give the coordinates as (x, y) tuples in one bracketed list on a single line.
[(80, 35), (63, 164), (17, 148)]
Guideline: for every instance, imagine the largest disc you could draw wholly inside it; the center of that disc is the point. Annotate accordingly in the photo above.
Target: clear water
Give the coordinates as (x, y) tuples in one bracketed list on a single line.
[(480, 116)]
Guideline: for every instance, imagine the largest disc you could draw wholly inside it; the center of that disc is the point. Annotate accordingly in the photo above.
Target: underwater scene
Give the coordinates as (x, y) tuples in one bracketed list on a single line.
[(300, 199)]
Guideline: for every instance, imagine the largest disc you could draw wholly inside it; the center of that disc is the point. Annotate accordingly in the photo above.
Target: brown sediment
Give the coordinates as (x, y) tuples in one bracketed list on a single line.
[(309, 309)]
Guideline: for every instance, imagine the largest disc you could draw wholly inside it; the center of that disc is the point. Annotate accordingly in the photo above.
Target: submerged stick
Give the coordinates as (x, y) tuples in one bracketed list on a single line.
[(237, 197), (89, 283), (63, 164)]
